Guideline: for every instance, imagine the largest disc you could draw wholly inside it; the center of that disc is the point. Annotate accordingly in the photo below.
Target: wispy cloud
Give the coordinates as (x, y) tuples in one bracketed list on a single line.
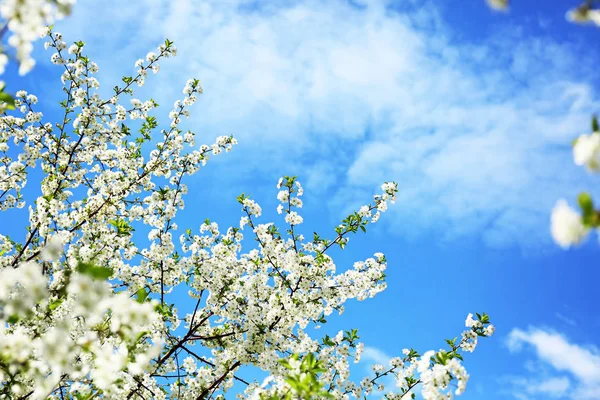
[(351, 95), (561, 369), (565, 319), (524, 388), (375, 355)]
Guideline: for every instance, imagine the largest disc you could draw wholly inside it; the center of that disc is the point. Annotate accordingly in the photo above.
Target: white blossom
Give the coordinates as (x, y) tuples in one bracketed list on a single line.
[(586, 151), (566, 225)]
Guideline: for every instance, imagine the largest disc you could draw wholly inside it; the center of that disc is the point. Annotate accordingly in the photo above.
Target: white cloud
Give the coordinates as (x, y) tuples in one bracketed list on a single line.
[(553, 350), (375, 355), (552, 387), (476, 133)]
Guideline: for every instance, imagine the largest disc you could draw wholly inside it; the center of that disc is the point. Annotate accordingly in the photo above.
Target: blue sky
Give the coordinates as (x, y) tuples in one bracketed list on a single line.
[(472, 112)]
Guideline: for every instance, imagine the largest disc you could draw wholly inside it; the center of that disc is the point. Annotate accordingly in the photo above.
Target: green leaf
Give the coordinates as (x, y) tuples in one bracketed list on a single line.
[(241, 198), (141, 295), (8, 100), (484, 318), (140, 336), (595, 125), (451, 343), (54, 304), (13, 319), (586, 203), (164, 309), (94, 271), (123, 227), (285, 363), (327, 341)]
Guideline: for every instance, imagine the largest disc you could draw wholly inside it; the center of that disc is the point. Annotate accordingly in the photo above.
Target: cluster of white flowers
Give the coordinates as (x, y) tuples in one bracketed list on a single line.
[(74, 326), (27, 20), (434, 371), (21, 289), (437, 370), (437, 378), (476, 327), (567, 226), (88, 307)]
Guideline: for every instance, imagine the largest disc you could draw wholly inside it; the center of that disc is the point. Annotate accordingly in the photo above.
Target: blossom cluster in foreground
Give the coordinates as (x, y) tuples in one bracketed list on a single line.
[(26, 21), (569, 227), (91, 309)]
